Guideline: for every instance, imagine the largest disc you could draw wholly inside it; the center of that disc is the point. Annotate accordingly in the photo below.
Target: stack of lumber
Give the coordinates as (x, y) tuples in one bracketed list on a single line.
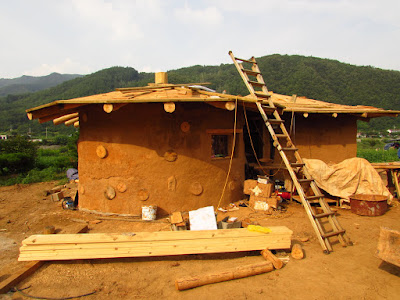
[(104, 245)]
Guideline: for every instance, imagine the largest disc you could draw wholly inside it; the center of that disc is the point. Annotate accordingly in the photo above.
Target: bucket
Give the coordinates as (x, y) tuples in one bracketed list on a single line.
[(149, 212), (368, 205)]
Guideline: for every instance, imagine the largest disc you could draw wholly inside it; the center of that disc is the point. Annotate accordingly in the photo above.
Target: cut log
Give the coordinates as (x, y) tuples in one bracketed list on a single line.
[(235, 273), (71, 121), (297, 252), (169, 107), (110, 107), (268, 255), (62, 119)]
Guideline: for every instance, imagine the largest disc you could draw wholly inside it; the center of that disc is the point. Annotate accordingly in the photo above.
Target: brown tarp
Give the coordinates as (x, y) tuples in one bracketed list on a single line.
[(351, 176)]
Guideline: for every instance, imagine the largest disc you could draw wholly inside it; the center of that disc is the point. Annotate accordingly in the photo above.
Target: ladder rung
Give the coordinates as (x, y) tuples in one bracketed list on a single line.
[(275, 121), (314, 197), (246, 60), (256, 83), (251, 72), (290, 149), (262, 95), (326, 235), (305, 180), (269, 109), (281, 135), (295, 165), (324, 214)]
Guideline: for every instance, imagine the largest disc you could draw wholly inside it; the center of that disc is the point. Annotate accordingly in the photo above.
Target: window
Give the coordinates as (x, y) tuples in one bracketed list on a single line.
[(221, 142), (219, 146)]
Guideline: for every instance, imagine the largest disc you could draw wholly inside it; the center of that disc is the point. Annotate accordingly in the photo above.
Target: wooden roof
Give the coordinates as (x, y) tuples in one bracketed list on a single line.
[(65, 111)]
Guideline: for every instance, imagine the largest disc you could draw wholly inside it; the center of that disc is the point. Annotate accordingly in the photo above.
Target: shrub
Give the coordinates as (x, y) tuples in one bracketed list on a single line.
[(12, 163), (48, 174)]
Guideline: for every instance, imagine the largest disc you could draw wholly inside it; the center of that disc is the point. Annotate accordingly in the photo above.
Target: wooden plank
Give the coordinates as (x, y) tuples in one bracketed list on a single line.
[(25, 271), (20, 275), (87, 246), (194, 244), (149, 236)]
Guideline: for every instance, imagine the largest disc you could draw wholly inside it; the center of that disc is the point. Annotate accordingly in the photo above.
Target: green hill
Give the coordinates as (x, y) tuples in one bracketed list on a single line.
[(316, 78), (30, 84)]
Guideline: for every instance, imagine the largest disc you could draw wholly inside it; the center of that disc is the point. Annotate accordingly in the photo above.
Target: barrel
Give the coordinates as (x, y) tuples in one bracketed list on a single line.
[(368, 205)]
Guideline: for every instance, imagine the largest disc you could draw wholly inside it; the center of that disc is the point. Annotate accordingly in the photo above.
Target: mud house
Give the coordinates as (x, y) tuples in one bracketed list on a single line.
[(170, 144)]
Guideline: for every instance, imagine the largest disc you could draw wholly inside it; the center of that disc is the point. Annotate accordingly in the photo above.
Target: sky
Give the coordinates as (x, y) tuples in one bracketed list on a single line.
[(84, 36)]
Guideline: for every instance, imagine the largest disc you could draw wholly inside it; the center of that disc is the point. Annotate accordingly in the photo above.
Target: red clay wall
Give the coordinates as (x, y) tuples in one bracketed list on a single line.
[(138, 138), (323, 137)]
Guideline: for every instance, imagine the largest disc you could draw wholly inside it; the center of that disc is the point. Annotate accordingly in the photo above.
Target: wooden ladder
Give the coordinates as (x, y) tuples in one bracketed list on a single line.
[(291, 157)]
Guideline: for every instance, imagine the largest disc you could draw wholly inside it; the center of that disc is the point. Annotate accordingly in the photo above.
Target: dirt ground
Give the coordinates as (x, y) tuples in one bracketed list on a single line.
[(347, 273)]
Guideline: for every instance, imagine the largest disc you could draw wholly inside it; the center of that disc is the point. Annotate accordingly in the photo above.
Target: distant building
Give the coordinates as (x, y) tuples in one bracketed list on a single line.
[(3, 137), (390, 131)]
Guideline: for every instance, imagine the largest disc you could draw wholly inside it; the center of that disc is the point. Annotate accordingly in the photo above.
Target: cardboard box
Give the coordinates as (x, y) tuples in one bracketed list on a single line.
[(263, 203), (57, 196), (249, 184)]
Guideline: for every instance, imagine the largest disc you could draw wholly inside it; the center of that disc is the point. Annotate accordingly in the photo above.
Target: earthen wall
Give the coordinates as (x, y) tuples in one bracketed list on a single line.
[(146, 156)]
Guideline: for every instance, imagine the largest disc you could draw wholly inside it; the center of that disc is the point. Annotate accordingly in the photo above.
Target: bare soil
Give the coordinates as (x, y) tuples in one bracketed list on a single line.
[(347, 273)]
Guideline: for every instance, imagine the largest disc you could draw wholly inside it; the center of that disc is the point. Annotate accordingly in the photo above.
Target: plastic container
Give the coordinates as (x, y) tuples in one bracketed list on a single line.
[(149, 212)]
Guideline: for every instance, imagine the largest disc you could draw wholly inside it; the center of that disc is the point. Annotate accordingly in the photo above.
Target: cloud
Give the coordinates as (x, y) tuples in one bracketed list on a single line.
[(67, 66), (109, 18), (208, 16)]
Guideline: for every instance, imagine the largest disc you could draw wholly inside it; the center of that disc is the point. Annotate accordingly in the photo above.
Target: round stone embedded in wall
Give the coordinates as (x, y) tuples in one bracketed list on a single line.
[(143, 194), (171, 183), (170, 156), (84, 117), (82, 190), (101, 151), (196, 188), (121, 187), (185, 127), (109, 193)]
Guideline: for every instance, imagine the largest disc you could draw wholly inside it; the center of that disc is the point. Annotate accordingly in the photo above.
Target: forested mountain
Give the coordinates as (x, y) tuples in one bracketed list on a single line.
[(28, 84), (316, 78)]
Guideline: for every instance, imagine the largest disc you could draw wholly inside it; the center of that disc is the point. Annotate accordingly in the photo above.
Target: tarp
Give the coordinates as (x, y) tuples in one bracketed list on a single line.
[(351, 176)]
